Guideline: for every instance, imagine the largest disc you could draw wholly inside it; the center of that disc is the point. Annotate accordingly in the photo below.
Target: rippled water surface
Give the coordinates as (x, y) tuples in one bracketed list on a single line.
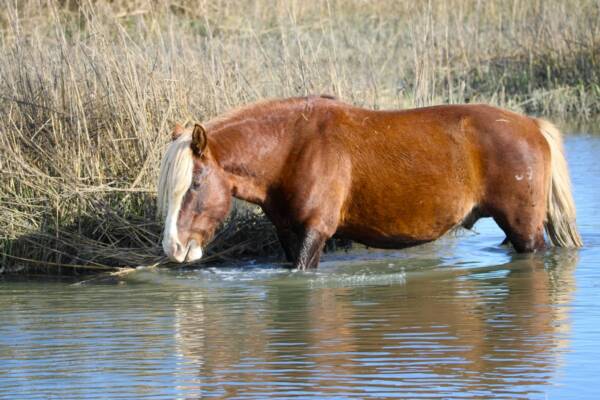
[(461, 317)]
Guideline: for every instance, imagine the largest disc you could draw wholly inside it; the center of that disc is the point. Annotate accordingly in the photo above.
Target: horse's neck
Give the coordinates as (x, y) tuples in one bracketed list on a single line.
[(251, 155)]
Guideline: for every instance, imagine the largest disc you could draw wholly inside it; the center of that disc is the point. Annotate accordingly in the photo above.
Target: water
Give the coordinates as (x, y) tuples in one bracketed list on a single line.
[(461, 317)]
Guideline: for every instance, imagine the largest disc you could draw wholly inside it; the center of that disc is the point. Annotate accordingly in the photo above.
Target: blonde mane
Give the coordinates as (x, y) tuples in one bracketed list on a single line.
[(176, 170)]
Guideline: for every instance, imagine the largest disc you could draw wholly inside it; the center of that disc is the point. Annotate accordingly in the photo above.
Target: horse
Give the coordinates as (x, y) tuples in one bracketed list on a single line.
[(388, 179)]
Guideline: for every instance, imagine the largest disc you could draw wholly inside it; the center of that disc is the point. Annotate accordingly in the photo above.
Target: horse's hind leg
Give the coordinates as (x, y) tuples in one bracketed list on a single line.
[(517, 191), (524, 228)]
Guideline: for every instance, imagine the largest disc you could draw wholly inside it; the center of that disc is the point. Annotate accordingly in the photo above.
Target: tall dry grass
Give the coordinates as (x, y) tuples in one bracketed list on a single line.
[(89, 90)]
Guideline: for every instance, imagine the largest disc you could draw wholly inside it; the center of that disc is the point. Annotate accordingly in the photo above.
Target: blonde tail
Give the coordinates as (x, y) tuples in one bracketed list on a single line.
[(560, 215)]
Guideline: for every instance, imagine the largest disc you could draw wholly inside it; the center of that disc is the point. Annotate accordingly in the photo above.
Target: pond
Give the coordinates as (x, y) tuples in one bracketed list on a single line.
[(460, 317)]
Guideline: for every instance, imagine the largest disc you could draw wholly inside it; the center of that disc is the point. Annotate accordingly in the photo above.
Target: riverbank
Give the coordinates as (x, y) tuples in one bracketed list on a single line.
[(89, 93)]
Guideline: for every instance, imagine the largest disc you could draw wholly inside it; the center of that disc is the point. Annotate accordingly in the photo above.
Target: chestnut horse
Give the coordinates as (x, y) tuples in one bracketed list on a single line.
[(388, 179)]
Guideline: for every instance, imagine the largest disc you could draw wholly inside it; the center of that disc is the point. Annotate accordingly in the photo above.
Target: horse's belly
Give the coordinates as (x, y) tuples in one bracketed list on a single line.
[(397, 220), (390, 236)]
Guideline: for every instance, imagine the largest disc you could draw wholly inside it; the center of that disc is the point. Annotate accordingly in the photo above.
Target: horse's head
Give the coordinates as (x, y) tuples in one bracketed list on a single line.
[(194, 195)]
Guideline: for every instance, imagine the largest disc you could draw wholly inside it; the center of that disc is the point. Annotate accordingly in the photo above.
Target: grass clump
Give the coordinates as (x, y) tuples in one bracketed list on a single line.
[(89, 91)]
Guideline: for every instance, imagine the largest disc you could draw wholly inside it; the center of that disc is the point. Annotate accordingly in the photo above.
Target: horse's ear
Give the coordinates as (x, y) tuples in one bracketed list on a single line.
[(177, 131), (199, 140)]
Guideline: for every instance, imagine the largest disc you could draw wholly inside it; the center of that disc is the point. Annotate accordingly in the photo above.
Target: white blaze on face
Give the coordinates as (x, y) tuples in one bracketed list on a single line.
[(175, 179), (171, 244)]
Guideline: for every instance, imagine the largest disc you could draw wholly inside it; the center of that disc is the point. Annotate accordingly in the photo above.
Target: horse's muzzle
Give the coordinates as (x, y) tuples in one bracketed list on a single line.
[(178, 253)]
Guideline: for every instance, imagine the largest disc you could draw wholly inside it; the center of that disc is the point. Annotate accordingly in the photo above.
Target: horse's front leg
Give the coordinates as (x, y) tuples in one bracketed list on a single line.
[(285, 233), (288, 242), (319, 225), (321, 187), (311, 248)]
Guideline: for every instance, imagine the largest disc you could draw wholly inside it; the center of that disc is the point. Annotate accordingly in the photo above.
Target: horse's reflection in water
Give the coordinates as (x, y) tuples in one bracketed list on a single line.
[(496, 331)]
